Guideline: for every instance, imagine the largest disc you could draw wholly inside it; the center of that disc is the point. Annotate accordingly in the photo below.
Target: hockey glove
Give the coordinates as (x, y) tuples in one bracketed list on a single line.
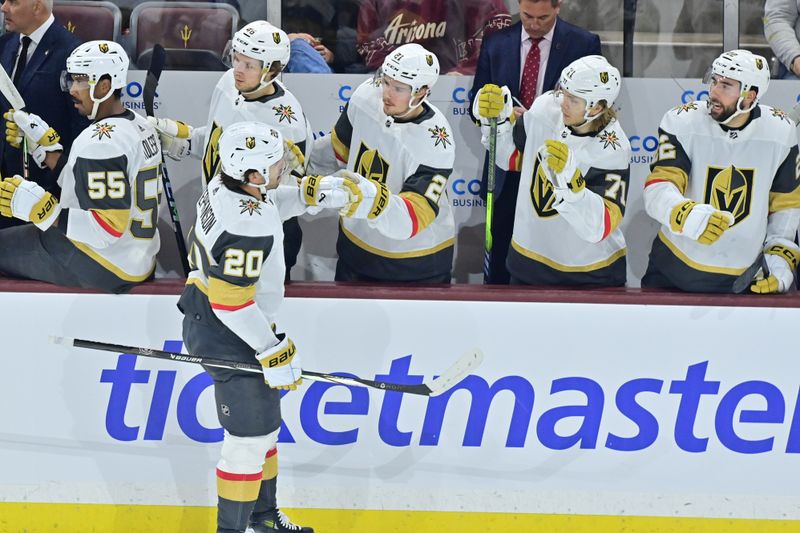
[(781, 262), (295, 160), (40, 136), (699, 222), (368, 199), (281, 365), (323, 192), (493, 102), (27, 201), (568, 182), (175, 137)]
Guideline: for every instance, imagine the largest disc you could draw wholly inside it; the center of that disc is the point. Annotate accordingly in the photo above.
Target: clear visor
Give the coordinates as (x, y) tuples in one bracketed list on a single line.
[(69, 81), (720, 83), (239, 61)]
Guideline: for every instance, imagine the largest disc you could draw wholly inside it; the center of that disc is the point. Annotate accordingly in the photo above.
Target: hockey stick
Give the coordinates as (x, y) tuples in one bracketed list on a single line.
[(431, 387), (742, 283), (148, 96), (487, 248), (9, 90)]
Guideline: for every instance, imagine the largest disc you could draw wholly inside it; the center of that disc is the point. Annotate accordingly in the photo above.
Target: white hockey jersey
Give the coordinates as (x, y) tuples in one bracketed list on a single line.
[(413, 159), (281, 110), (749, 172), (568, 243), (111, 186), (236, 256)]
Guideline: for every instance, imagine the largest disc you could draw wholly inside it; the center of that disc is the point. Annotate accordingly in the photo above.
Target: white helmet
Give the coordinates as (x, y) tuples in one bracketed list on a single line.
[(592, 78), (246, 146), (413, 65), (96, 59), (749, 69), (265, 42)]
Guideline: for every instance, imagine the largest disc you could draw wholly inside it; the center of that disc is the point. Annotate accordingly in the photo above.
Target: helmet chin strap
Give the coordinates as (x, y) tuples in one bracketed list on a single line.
[(262, 85), (97, 101), (739, 110), (411, 107)]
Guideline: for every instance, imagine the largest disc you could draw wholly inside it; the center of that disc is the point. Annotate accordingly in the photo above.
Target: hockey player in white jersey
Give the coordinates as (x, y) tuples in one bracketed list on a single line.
[(574, 161), (230, 307), (724, 186), (102, 232), (249, 91), (400, 226)]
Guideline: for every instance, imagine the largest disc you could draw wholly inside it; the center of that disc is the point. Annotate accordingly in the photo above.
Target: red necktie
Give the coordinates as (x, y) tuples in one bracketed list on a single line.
[(530, 74)]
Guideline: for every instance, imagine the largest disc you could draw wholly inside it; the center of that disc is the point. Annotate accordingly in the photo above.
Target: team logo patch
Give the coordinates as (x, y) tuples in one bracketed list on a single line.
[(276, 37), (609, 138), (371, 164), (429, 60), (250, 206), (541, 191), (250, 142), (440, 136), (284, 112), (102, 129), (103, 47), (759, 63), (781, 114), (730, 189), (604, 77), (690, 106)]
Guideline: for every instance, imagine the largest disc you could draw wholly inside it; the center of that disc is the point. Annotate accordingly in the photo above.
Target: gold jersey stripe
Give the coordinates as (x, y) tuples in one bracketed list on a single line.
[(395, 255), (116, 219), (694, 264), (568, 268), (674, 175), (778, 201), (220, 292), (615, 213), (422, 209), (111, 267), (342, 152)]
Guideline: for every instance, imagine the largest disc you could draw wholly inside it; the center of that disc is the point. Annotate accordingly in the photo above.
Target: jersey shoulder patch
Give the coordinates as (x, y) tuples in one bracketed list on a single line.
[(241, 214)]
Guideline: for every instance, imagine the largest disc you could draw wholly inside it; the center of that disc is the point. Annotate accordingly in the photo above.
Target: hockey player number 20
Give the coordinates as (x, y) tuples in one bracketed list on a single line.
[(239, 263)]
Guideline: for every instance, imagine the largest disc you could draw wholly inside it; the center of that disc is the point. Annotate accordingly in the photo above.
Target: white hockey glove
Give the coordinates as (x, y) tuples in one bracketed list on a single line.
[(493, 102), (700, 222), (368, 199), (564, 174), (41, 138), (323, 192), (26, 200), (295, 160), (281, 365), (175, 137), (781, 263)]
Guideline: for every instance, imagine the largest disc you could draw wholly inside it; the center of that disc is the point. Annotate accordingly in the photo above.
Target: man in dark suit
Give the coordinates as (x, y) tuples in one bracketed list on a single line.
[(528, 57), (37, 76)]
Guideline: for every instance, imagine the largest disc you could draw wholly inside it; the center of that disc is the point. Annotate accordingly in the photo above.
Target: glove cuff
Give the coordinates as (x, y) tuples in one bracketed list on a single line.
[(679, 214), (279, 355), (788, 254)]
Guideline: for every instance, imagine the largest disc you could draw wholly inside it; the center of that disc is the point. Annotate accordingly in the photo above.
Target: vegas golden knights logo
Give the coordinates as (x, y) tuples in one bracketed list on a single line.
[(429, 60), (759, 63), (730, 189), (371, 165), (542, 192), (250, 142), (103, 47), (604, 77), (276, 37)]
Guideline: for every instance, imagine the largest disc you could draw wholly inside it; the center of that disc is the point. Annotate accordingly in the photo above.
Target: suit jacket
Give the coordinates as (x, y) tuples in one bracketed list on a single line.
[(40, 87), (499, 62)]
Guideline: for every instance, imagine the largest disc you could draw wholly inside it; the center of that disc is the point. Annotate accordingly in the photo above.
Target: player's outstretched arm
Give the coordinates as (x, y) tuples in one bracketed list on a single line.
[(493, 102)]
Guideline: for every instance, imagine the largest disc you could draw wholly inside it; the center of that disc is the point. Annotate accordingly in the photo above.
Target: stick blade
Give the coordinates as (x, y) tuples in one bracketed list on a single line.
[(453, 375)]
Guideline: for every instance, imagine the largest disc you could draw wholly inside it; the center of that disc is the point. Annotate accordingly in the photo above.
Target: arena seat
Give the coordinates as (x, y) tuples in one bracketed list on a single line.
[(89, 20), (194, 34)]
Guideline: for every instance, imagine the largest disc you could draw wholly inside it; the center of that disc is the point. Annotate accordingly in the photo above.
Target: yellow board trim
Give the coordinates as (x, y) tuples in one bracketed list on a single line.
[(395, 255), (694, 264), (111, 267), (568, 268), (83, 518)]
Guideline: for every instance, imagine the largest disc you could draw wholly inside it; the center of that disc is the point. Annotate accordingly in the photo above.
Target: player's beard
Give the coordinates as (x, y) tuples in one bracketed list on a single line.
[(723, 115)]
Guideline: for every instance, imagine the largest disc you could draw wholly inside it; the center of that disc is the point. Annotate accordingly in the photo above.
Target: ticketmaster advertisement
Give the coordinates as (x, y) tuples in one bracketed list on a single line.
[(577, 409), (640, 106)]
